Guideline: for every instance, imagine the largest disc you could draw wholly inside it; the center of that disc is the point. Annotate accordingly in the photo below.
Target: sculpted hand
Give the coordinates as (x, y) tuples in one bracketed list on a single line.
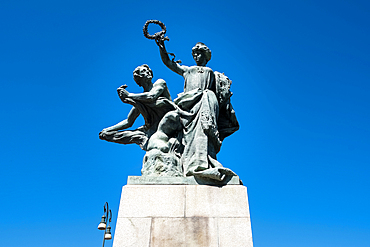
[(160, 42), (103, 134), (122, 92), (106, 132)]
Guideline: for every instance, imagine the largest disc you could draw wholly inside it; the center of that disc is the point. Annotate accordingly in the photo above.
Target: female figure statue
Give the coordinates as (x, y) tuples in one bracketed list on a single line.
[(199, 110)]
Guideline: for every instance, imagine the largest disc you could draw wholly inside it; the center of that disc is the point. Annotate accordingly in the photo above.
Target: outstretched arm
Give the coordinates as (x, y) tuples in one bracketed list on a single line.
[(175, 67), (127, 123)]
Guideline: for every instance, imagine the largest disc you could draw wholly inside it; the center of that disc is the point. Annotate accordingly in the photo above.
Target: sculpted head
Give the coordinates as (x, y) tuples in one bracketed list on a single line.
[(143, 74), (201, 54)]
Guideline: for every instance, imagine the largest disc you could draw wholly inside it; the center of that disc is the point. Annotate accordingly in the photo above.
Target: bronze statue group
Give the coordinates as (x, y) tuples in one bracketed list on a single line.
[(181, 137)]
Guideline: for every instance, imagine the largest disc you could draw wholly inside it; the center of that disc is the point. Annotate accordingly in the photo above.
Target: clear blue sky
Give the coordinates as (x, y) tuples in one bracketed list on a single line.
[(300, 72)]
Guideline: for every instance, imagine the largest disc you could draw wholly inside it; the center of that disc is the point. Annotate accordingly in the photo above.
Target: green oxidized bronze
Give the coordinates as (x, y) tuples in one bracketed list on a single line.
[(181, 137)]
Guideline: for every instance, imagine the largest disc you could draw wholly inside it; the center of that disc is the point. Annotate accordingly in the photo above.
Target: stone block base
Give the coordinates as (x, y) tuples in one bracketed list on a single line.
[(192, 180), (183, 216)]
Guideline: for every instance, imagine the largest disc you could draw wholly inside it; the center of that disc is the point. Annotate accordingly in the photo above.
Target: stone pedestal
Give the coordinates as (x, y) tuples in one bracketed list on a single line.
[(183, 216)]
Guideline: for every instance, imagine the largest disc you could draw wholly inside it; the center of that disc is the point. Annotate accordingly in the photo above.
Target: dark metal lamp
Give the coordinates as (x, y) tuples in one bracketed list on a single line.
[(103, 223)]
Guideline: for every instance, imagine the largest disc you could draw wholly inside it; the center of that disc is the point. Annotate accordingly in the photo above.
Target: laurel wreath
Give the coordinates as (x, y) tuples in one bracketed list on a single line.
[(157, 34)]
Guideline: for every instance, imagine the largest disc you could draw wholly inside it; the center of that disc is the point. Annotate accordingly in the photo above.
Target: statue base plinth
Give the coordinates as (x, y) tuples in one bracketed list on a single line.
[(183, 216), (193, 180)]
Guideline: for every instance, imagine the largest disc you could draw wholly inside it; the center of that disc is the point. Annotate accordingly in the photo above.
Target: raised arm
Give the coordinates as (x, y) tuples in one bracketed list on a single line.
[(175, 67)]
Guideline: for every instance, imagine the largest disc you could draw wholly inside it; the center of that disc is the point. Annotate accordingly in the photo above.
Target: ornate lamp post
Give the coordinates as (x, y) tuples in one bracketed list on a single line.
[(104, 221)]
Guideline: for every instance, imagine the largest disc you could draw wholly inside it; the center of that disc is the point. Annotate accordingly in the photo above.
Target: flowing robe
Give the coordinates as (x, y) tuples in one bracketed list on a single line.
[(200, 106)]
